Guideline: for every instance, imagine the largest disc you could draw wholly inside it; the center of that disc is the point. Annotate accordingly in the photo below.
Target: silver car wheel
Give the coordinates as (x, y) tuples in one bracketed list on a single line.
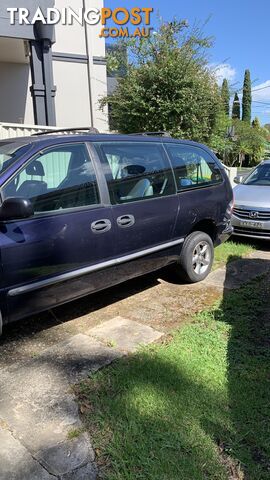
[(201, 258)]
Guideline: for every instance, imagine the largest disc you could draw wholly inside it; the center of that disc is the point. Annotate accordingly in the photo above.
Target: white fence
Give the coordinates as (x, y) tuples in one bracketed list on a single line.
[(11, 130), (231, 172)]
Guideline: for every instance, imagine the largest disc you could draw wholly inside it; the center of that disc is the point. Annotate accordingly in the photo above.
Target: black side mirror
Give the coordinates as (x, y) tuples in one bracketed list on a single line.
[(16, 208)]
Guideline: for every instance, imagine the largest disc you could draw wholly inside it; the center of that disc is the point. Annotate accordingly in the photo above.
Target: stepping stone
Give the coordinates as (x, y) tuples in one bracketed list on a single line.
[(37, 404), (68, 456), (238, 273), (124, 335), (16, 463)]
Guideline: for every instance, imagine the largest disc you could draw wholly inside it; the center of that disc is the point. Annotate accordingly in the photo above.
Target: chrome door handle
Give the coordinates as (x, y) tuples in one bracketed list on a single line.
[(125, 221), (101, 226)]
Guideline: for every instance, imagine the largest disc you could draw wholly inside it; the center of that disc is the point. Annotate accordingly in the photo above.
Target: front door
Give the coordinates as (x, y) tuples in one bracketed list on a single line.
[(55, 256), (142, 191)]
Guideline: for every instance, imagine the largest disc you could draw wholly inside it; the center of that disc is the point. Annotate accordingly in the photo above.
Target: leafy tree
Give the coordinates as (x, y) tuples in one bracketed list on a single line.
[(225, 96), (246, 100), (219, 141), (236, 107), (248, 141), (256, 123), (169, 85)]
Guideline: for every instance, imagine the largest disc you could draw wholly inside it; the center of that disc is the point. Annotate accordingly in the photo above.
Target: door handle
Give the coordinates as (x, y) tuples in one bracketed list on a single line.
[(101, 226), (125, 221)]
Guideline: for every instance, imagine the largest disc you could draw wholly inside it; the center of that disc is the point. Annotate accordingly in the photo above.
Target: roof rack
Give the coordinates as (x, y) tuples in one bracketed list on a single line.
[(153, 134), (66, 131)]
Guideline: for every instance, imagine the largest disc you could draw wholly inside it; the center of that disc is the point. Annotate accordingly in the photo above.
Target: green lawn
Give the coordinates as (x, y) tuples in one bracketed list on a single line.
[(196, 407), (230, 251)]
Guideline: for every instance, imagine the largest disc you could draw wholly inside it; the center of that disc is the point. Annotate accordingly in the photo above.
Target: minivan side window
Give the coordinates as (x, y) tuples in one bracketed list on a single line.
[(58, 178), (193, 166), (136, 171)]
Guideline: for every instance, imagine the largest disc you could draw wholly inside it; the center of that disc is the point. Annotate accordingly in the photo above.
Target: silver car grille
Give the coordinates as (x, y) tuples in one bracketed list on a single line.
[(252, 214)]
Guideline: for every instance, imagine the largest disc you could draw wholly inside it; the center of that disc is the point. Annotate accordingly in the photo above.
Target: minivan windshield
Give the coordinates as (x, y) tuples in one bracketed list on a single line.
[(259, 176), (10, 152)]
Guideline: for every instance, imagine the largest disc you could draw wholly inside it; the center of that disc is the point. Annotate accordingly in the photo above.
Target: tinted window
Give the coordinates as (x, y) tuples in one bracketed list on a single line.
[(259, 176), (193, 166), (136, 171), (61, 177)]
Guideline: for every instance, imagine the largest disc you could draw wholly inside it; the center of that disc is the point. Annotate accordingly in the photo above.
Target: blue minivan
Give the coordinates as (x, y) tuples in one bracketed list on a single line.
[(80, 212)]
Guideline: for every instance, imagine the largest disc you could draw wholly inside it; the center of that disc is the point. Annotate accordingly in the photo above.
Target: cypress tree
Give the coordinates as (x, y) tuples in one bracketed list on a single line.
[(236, 107), (225, 96), (246, 100)]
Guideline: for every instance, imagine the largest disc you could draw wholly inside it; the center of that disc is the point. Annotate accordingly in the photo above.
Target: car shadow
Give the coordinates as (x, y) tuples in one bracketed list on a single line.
[(86, 305)]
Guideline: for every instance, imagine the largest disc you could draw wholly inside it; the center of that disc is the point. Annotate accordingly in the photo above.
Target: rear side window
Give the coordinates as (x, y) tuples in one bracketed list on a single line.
[(60, 177), (193, 166), (136, 171)]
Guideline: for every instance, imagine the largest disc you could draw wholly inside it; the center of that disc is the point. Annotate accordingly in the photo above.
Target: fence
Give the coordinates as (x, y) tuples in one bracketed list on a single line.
[(231, 172), (11, 130)]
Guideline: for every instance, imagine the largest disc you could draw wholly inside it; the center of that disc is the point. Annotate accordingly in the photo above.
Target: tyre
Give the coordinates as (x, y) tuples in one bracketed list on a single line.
[(196, 258)]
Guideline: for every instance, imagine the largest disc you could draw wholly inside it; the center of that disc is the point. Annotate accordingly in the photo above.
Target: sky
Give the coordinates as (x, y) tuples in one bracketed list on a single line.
[(241, 39)]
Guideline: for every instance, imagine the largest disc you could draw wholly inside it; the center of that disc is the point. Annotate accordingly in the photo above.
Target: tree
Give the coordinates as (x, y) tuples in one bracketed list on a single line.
[(248, 141), (256, 123), (169, 85), (225, 96), (246, 100), (236, 107)]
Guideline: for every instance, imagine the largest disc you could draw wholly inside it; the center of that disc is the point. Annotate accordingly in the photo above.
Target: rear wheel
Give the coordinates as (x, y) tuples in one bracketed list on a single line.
[(196, 258)]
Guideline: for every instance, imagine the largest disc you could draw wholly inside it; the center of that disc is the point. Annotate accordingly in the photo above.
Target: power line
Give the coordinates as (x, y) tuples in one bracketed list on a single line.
[(262, 88), (261, 103), (254, 89)]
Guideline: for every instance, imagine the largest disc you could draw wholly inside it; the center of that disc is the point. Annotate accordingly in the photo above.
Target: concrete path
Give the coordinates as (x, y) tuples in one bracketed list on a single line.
[(40, 425), (41, 435)]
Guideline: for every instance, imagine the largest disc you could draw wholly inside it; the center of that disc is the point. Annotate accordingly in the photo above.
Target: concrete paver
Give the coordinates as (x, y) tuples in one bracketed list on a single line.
[(38, 406), (125, 335), (238, 273), (16, 463)]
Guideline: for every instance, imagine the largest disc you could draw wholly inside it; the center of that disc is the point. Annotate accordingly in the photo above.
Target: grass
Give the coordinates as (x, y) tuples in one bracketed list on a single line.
[(74, 433), (196, 407), (230, 251)]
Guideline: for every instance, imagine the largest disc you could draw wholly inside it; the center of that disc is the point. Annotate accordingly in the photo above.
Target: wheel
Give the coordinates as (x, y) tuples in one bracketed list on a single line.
[(196, 258)]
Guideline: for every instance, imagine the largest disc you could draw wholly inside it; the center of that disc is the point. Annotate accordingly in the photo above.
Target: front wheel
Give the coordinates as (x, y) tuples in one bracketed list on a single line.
[(196, 258)]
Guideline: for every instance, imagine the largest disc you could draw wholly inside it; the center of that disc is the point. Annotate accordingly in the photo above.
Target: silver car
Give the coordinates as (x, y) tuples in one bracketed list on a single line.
[(251, 212)]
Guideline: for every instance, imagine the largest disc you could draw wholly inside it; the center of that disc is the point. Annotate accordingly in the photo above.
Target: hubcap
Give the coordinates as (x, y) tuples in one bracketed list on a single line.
[(201, 258)]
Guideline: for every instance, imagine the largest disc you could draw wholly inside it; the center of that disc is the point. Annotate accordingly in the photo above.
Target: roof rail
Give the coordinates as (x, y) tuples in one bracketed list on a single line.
[(153, 134), (66, 131)]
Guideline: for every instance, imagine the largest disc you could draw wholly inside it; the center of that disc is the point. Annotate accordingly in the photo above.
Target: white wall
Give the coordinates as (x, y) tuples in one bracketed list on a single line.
[(69, 38), (80, 85), (15, 98), (72, 102)]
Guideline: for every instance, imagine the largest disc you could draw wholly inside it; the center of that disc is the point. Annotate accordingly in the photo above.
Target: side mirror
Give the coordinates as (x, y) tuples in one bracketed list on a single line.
[(16, 208), (238, 179)]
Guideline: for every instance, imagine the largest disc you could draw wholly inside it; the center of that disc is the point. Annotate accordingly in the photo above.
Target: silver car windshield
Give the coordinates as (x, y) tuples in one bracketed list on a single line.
[(10, 152), (259, 176)]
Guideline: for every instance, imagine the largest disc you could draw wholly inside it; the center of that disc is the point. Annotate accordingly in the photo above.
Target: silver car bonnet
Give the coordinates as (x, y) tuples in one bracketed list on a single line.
[(253, 196)]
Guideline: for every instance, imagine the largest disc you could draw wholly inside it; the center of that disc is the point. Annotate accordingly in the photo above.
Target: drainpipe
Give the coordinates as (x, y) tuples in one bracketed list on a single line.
[(87, 42), (43, 89)]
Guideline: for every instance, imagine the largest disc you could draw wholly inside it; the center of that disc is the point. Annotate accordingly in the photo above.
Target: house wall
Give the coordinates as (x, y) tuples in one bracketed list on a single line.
[(15, 99), (78, 68), (79, 71)]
